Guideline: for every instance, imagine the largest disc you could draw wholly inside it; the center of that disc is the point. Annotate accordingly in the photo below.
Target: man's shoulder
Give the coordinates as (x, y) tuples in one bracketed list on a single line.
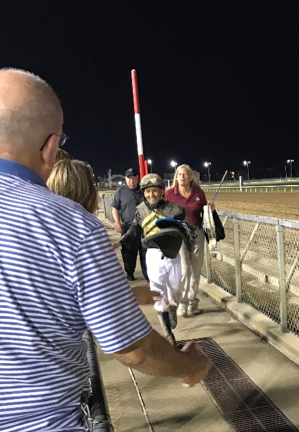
[(65, 210), (124, 190), (122, 187), (71, 207), (54, 216), (127, 193), (122, 194)]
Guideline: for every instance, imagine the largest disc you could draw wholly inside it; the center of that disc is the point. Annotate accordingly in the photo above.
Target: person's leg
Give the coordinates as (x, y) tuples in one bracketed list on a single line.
[(129, 251), (185, 280), (165, 322), (174, 291), (142, 255), (196, 265), (157, 276)]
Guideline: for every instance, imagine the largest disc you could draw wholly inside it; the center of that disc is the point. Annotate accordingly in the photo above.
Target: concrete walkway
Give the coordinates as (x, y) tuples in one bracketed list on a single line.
[(170, 407)]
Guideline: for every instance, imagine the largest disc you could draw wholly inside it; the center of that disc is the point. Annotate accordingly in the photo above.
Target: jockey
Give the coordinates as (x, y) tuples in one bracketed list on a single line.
[(162, 237)]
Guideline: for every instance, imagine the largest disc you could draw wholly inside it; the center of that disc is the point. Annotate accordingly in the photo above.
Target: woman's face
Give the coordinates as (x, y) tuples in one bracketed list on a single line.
[(184, 177)]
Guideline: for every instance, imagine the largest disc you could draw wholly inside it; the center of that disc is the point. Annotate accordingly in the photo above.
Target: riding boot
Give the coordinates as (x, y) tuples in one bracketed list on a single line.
[(166, 326)]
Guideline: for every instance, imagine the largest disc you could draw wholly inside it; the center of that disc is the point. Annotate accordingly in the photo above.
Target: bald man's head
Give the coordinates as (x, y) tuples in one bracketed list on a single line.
[(29, 110)]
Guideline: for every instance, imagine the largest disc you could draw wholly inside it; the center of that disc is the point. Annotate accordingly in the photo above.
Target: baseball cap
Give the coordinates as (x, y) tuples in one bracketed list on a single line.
[(131, 172)]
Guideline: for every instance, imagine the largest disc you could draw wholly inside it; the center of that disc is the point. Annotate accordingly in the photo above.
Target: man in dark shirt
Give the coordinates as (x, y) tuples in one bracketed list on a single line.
[(126, 198)]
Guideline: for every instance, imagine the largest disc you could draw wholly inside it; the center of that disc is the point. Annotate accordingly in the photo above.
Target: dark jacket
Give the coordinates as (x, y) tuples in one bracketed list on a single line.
[(152, 213)]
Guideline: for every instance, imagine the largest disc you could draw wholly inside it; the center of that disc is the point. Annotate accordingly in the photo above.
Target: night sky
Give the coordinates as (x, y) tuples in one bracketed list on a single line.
[(218, 79)]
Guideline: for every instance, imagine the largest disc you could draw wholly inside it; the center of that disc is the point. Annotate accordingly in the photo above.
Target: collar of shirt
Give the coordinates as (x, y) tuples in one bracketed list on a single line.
[(153, 206), (16, 169), (176, 192), (133, 190)]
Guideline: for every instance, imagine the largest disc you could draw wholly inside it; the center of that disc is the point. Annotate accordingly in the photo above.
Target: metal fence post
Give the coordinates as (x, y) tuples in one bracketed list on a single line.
[(237, 260), (104, 202), (110, 204), (208, 262), (281, 278)]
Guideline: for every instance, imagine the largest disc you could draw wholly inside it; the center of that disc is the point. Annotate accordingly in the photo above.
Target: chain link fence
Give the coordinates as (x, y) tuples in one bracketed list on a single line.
[(258, 262)]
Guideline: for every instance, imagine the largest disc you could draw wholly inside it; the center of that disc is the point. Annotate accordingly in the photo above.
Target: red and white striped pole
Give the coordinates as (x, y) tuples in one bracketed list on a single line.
[(142, 167)]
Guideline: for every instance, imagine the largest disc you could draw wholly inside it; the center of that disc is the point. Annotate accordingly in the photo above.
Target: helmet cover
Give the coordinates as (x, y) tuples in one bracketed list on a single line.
[(151, 180)]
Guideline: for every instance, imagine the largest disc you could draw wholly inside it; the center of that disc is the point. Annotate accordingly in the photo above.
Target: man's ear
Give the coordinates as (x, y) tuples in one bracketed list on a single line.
[(48, 154)]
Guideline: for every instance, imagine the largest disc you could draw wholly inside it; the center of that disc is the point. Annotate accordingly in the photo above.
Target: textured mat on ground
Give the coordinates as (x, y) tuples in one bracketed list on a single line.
[(241, 402)]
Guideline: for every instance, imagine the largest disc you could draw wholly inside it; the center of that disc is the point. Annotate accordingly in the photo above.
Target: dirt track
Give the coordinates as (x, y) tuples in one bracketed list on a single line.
[(274, 204), (279, 205)]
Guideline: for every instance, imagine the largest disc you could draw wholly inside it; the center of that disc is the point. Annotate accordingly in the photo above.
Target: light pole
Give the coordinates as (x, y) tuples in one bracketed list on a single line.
[(173, 164), (247, 163), (150, 162), (207, 165), (290, 161)]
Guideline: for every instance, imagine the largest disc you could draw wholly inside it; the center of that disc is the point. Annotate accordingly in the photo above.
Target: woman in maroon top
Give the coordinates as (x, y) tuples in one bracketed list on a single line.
[(186, 191)]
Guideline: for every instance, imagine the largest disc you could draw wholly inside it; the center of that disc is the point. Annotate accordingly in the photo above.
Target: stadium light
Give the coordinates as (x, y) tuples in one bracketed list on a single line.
[(290, 161), (150, 162), (207, 165), (247, 163), (173, 164)]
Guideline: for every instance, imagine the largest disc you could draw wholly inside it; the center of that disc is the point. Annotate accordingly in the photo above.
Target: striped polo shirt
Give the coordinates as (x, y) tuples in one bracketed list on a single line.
[(58, 276)]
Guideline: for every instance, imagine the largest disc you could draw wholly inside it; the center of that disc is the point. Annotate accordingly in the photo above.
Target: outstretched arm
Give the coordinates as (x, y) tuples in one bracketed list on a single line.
[(153, 355)]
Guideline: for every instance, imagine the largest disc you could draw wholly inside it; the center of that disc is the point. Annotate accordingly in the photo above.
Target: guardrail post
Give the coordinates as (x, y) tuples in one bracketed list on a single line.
[(281, 278), (208, 262), (237, 260), (105, 205), (110, 206)]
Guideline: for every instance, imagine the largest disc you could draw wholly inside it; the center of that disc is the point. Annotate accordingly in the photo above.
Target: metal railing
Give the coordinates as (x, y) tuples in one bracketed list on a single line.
[(258, 262), (253, 189)]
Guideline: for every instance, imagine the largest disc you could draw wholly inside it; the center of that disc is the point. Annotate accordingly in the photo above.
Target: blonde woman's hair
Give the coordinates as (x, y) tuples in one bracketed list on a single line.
[(193, 182), (62, 154), (74, 179)]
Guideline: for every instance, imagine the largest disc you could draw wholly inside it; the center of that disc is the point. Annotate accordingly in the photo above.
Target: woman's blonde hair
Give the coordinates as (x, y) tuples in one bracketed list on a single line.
[(62, 154), (193, 181), (74, 179)]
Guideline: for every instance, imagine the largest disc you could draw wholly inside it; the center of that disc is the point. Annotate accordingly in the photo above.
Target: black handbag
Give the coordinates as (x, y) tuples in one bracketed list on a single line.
[(219, 228)]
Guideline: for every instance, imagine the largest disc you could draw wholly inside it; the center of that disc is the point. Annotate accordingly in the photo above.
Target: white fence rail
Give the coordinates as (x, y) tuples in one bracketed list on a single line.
[(253, 188)]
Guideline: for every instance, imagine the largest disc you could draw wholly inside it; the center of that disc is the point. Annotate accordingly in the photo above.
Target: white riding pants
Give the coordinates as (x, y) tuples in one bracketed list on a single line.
[(191, 268), (165, 277)]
